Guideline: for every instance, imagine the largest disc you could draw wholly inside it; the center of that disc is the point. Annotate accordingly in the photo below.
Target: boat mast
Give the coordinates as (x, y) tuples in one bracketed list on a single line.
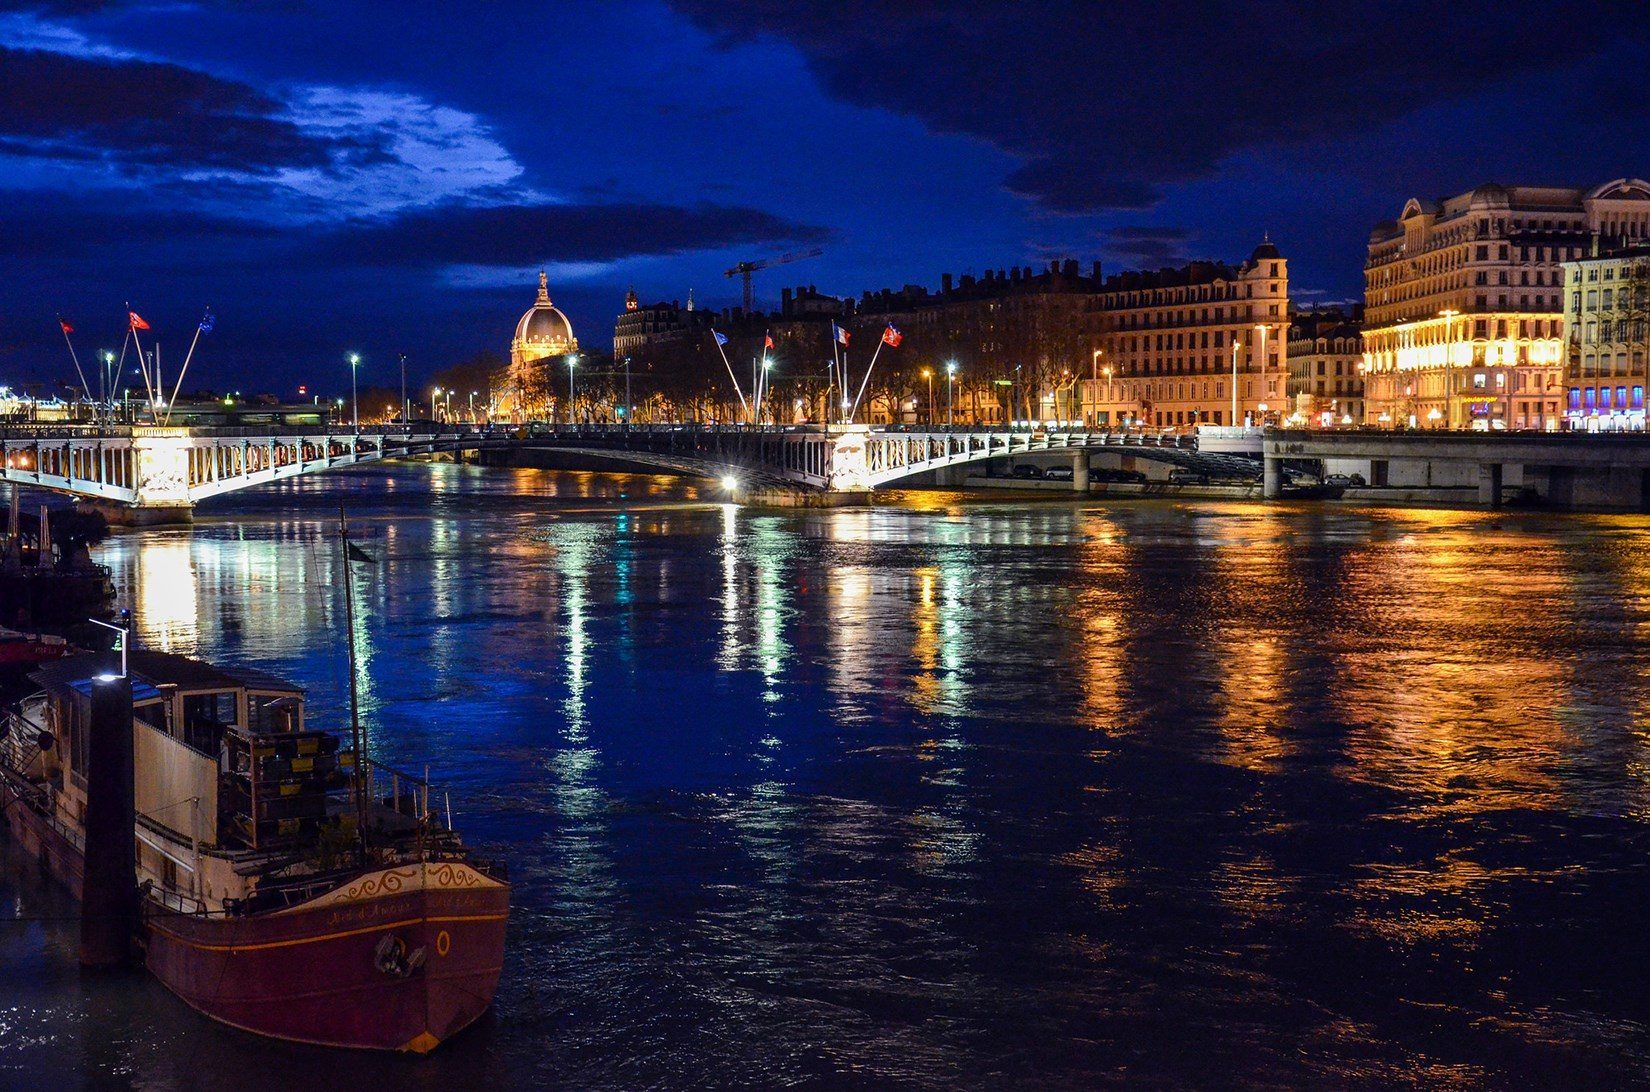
[(357, 740)]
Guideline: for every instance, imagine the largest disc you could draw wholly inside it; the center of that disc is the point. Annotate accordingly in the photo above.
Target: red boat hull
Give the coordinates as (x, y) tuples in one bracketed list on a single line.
[(323, 972)]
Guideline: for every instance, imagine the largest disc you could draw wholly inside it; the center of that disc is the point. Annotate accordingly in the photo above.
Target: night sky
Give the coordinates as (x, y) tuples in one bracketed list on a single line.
[(332, 176)]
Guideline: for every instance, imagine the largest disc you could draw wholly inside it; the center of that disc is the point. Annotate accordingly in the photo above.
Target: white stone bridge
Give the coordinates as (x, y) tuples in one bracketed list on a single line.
[(167, 471)]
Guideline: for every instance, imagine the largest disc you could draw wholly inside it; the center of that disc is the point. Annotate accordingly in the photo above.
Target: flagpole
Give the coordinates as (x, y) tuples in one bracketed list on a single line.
[(190, 355), (838, 369), (76, 358), (131, 328), (119, 367), (869, 368), (722, 350)]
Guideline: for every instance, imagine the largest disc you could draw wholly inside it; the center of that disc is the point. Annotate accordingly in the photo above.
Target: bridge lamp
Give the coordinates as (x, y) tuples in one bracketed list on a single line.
[(729, 482), (354, 401)]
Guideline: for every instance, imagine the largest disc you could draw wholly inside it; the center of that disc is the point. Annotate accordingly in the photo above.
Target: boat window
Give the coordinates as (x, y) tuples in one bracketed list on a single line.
[(152, 713), (79, 711), (266, 713), (205, 716)]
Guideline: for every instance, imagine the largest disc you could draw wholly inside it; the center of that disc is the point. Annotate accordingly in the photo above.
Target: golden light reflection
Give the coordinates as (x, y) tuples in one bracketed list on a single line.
[(166, 605)]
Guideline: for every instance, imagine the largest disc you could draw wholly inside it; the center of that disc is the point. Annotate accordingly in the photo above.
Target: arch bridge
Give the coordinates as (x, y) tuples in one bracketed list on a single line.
[(161, 468)]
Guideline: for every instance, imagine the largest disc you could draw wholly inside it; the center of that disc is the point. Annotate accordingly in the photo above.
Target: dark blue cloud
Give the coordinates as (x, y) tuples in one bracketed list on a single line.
[(1109, 105), (145, 114), (517, 235)]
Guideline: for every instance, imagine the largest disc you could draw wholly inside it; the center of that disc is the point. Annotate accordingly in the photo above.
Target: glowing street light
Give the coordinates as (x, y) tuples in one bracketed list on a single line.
[(928, 374), (1265, 365), (572, 359), (1448, 315), (950, 389), (354, 403), (435, 401)]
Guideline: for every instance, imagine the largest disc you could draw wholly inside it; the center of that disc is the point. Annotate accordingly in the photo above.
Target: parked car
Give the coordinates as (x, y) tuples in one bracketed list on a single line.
[(1108, 474), (1345, 481), (1026, 470), (1182, 476), (1058, 474)]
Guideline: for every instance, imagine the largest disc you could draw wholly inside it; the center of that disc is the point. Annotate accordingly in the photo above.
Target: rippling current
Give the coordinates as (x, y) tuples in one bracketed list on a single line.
[(951, 792)]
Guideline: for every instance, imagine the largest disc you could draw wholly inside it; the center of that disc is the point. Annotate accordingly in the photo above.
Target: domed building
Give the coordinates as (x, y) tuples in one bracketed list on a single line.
[(543, 333)]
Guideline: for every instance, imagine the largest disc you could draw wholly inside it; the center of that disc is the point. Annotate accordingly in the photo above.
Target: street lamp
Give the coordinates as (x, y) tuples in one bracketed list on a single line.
[(1448, 315), (762, 394), (1265, 377), (950, 390), (928, 374), (572, 359), (435, 402), (354, 404), (1237, 346), (1094, 380), (472, 407)]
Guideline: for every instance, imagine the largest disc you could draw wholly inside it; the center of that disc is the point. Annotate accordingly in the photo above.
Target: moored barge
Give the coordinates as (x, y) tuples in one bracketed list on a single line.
[(284, 888)]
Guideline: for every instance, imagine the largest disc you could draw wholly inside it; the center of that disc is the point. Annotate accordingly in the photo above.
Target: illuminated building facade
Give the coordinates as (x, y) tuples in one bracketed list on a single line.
[(543, 334), (1168, 343), (1325, 361), (1607, 317), (1464, 315)]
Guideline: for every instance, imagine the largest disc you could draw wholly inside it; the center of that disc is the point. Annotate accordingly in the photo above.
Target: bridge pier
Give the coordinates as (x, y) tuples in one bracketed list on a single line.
[(1271, 477), (119, 514), (1489, 484), (1080, 471)]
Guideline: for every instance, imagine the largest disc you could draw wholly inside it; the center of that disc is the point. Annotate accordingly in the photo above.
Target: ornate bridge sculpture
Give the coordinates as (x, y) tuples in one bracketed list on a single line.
[(162, 473)]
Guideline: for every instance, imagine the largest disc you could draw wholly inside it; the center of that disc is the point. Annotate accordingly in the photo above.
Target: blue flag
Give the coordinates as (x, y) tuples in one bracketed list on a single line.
[(721, 339), (208, 321)]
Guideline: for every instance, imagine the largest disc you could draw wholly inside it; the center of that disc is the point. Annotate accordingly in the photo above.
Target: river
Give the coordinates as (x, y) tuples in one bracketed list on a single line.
[(956, 791)]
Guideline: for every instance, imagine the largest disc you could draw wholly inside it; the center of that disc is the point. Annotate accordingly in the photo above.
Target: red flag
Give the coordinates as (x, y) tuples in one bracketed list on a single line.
[(767, 341), (67, 329), (892, 337), (136, 320)]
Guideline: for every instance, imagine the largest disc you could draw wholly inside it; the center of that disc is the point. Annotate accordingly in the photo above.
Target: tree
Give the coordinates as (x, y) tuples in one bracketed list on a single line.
[(74, 532)]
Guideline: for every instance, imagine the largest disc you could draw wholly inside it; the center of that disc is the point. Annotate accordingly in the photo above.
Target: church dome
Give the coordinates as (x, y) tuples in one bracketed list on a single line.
[(544, 330)]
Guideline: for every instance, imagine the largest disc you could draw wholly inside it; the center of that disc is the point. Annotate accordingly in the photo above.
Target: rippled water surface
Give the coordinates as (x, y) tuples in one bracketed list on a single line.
[(952, 792)]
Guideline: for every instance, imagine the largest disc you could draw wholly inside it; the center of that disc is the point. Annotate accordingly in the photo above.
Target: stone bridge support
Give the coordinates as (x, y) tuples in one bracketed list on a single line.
[(1080, 471), (1271, 477), (1489, 484)]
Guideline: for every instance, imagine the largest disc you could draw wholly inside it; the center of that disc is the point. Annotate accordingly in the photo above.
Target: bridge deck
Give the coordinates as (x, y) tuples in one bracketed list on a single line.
[(160, 467)]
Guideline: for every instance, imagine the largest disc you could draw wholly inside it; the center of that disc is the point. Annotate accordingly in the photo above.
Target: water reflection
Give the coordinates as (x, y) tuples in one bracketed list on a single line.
[(957, 792)]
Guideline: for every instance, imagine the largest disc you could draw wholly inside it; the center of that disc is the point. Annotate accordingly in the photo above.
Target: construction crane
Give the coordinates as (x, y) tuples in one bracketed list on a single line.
[(745, 269)]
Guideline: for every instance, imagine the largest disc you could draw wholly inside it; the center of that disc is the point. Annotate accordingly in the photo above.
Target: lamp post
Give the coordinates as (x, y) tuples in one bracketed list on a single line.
[(572, 359), (435, 402), (928, 374), (1237, 346), (405, 405), (629, 410), (1265, 373), (354, 403), (1448, 315), (1107, 372), (1094, 381), (472, 407), (950, 391)]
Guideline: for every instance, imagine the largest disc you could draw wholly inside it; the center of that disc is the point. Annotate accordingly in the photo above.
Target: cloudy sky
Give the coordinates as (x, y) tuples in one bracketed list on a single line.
[(331, 176)]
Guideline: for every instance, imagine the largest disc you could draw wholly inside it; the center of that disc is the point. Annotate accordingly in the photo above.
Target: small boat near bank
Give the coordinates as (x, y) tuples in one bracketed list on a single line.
[(282, 887)]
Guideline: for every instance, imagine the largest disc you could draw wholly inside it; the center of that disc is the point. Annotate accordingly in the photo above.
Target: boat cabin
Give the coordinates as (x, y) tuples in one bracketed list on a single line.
[(199, 734)]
